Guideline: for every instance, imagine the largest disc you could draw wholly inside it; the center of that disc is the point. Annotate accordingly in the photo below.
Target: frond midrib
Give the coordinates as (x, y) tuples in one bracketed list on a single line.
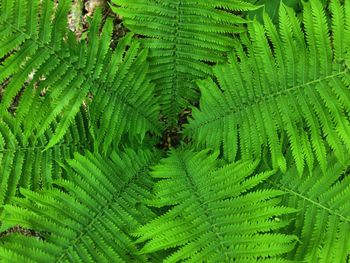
[(304, 197), (175, 82), (263, 99), (204, 206), (81, 72), (61, 145)]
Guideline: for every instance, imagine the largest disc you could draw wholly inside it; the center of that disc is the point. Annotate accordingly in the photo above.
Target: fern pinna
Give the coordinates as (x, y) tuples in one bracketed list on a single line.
[(262, 170)]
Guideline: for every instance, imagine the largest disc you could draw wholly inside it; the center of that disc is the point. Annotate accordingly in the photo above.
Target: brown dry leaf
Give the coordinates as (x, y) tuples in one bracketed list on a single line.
[(90, 5)]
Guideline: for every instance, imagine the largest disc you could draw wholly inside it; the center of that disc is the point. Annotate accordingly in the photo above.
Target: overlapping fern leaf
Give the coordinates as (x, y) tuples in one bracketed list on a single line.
[(87, 218), (323, 220), (286, 85), (126, 105), (23, 163), (183, 36), (35, 40), (212, 217)]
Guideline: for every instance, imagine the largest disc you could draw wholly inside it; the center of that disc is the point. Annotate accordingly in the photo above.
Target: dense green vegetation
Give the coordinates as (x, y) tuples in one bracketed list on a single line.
[(203, 131)]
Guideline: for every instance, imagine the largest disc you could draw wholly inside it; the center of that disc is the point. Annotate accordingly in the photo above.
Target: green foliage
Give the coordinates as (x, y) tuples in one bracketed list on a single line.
[(35, 40), (87, 218), (213, 218), (23, 163), (183, 37), (281, 86), (323, 221), (271, 7), (262, 170)]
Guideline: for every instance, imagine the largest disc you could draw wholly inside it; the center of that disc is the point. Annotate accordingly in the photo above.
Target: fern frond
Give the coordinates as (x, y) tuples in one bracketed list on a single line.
[(281, 84), (128, 106), (212, 217), (183, 38), (87, 218), (323, 220), (35, 40), (24, 163)]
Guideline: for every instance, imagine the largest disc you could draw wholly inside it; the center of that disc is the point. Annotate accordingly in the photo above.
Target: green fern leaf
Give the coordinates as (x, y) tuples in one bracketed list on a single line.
[(323, 220), (87, 218), (213, 217), (282, 85), (23, 163), (183, 37), (67, 71)]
